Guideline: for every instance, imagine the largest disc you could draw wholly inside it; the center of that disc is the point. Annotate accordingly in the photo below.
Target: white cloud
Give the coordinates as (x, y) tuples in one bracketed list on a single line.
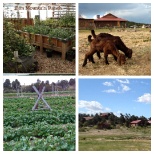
[(117, 113), (107, 109), (125, 88), (107, 84), (126, 81), (145, 98), (110, 91), (91, 107)]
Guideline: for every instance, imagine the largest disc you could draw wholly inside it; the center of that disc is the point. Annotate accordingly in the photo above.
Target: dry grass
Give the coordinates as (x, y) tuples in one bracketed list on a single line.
[(139, 64), (122, 139)]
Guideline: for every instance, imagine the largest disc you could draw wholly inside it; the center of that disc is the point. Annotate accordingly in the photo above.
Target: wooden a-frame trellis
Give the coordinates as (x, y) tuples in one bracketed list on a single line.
[(40, 96)]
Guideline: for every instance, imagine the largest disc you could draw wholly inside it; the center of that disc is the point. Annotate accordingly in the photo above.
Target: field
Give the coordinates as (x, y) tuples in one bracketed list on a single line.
[(122, 139), (140, 63), (39, 130)]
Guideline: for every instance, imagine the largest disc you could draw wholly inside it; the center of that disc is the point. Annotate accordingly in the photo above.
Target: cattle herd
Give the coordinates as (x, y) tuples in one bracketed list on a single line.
[(108, 44)]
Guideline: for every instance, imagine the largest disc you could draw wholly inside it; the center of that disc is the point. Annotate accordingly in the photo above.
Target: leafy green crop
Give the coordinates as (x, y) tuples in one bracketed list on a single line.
[(41, 130)]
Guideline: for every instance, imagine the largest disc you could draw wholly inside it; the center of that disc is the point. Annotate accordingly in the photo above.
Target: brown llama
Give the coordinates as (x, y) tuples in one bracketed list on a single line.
[(117, 41), (105, 45)]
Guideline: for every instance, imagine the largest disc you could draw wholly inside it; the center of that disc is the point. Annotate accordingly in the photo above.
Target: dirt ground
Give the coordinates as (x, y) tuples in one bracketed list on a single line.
[(140, 63), (53, 65)]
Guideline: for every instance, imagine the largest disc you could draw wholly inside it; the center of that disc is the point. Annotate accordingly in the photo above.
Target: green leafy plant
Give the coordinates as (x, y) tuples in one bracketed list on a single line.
[(68, 20), (12, 41), (40, 130)]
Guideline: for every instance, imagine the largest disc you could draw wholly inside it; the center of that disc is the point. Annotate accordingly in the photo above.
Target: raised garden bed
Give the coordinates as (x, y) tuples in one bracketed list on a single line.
[(44, 41)]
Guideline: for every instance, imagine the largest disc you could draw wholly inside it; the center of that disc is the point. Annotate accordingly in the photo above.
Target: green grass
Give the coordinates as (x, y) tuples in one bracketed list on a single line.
[(34, 93), (123, 139), (109, 145)]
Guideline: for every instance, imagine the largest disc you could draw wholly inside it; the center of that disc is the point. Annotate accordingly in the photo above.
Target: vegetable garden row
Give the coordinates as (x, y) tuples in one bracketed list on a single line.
[(40, 130)]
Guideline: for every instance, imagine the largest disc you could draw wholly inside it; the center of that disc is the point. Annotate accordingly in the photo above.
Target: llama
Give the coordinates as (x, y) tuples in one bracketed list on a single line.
[(104, 45), (117, 41)]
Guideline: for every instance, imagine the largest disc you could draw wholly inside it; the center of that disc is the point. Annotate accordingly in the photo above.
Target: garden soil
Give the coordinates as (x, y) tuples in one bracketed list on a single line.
[(53, 65)]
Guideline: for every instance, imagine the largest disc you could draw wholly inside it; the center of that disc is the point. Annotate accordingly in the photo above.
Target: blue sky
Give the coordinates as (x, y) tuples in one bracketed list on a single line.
[(137, 12), (132, 96)]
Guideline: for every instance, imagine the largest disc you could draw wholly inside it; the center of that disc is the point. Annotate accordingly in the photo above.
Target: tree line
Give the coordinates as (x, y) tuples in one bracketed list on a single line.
[(61, 85), (110, 120)]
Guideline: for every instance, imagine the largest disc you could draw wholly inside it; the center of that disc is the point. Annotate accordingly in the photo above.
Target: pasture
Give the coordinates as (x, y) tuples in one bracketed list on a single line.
[(122, 139), (39, 130), (140, 63)]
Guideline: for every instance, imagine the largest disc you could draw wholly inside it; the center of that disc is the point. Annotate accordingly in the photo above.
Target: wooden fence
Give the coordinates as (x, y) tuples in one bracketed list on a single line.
[(21, 22)]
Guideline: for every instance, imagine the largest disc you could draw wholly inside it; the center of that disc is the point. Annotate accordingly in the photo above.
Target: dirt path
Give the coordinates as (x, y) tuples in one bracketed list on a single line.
[(54, 65), (139, 64)]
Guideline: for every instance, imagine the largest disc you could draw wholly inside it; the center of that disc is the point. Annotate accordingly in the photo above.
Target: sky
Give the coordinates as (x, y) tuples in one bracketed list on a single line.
[(28, 80), (132, 96), (137, 12)]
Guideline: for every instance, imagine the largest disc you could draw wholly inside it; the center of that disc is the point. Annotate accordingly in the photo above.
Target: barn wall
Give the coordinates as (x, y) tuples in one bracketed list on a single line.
[(109, 24), (86, 24), (105, 23)]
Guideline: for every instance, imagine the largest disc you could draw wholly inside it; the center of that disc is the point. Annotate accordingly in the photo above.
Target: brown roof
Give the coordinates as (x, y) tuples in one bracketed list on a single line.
[(80, 16), (149, 121), (136, 122), (110, 17), (88, 118), (104, 114)]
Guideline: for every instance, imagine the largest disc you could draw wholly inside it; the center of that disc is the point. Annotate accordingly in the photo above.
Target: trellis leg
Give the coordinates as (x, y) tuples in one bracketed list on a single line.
[(40, 97), (46, 103), (34, 107)]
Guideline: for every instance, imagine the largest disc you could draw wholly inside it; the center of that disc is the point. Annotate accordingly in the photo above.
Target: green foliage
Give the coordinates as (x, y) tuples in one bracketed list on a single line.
[(52, 23), (67, 20), (112, 120), (38, 29), (12, 41), (61, 33), (26, 130)]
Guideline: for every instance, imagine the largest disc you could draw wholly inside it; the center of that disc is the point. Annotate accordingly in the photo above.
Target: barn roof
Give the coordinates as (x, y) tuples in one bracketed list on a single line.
[(104, 114), (136, 122), (80, 17), (110, 17), (149, 121), (88, 118)]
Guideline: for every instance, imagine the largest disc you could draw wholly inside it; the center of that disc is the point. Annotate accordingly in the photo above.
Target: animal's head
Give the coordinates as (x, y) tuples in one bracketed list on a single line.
[(121, 59), (129, 53), (89, 38)]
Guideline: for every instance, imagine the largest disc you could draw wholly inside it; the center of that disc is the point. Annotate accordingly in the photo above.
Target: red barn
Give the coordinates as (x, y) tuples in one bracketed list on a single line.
[(88, 118), (86, 23), (136, 123), (109, 20)]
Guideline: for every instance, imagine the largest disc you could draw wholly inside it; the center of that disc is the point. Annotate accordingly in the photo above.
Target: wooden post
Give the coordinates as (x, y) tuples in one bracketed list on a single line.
[(64, 50), (40, 97), (41, 44)]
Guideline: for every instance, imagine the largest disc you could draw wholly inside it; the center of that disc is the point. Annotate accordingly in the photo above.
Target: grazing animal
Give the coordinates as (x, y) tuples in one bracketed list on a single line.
[(117, 41), (104, 45)]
